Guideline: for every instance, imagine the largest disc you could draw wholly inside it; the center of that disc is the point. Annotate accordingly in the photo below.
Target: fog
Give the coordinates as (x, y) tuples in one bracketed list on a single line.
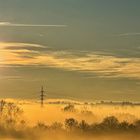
[(91, 113), (68, 121)]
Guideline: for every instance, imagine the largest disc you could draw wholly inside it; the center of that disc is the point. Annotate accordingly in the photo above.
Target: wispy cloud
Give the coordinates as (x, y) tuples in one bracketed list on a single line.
[(129, 34), (19, 44), (5, 77), (89, 62), (9, 24)]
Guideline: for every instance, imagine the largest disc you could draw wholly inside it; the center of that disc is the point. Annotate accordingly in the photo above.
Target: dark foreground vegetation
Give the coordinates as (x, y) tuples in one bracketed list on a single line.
[(12, 124)]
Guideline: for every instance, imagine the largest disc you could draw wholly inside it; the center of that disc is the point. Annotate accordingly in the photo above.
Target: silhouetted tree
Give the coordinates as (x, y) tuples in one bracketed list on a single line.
[(110, 123), (10, 113), (2, 105), (83, 125), (57, 126), (69, 108), (71, 124), (41, 126), (137, 124), (124, 125)]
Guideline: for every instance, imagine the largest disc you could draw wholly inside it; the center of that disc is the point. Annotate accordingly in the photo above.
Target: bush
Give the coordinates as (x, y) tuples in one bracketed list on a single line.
[(69, 108), (110, 123), (56, 126), (71, 124), (83, 125)]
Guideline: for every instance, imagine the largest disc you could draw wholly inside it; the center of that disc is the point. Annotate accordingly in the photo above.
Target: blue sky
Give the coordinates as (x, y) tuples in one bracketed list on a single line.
[(92, 52)]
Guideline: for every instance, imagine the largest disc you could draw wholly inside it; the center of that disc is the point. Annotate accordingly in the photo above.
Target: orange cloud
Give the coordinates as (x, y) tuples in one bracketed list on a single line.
[(102, 65)]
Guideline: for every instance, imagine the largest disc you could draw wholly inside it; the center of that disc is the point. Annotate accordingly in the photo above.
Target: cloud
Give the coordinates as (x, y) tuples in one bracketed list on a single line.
[(9, 24), (129, 34), (22, 46), (5, 77), (88, 62), (19, 44)]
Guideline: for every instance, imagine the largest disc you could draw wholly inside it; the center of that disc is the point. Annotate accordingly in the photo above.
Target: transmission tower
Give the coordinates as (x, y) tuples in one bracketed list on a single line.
[(42, 95)]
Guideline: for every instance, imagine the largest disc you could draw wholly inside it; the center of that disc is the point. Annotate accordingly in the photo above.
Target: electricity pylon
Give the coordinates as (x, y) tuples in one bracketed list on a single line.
[(42, 95)]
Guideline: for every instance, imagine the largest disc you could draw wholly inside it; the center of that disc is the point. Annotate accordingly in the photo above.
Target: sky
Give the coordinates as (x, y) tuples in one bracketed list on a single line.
[(77, 49)]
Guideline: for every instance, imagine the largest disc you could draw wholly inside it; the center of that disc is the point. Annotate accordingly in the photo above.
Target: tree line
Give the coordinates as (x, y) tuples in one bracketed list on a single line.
[(12, 122)]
